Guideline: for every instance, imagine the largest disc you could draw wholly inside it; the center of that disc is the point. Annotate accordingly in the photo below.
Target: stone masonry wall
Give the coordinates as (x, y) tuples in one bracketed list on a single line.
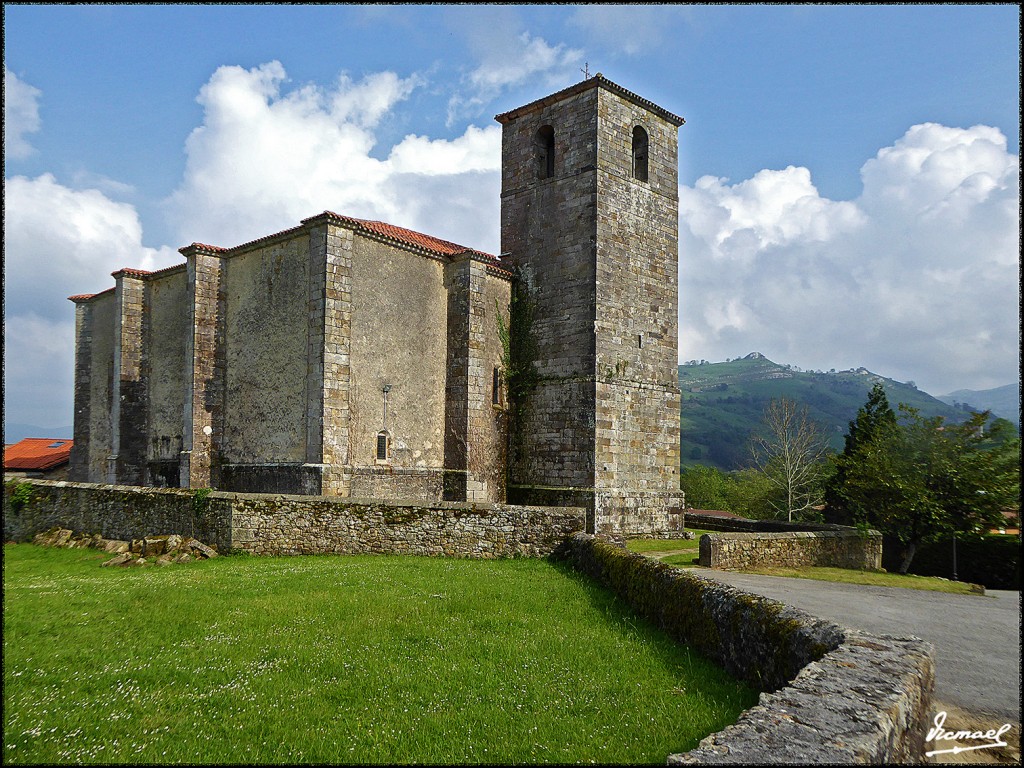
[(273, 524), (836, 549), (266, 351), (119, 512), (548, 233), (203, 433), (283, 526), (128, 414), (78, 466), (637, 429), (328, 385), (97, 389), (399, 319), (831, 695), (165, 366)]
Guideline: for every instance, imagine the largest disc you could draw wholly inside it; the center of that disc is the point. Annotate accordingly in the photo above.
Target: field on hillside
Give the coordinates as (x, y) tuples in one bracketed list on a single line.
[(359, 659), (723, 403)]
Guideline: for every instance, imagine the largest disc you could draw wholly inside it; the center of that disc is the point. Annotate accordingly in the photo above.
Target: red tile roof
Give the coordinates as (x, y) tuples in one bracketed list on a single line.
[(37, 453), (411, 237), (378, 229), (131, 272)]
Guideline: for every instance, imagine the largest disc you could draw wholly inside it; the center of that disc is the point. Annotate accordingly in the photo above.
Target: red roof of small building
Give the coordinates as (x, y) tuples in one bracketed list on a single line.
[(37, 453), (380, 229)]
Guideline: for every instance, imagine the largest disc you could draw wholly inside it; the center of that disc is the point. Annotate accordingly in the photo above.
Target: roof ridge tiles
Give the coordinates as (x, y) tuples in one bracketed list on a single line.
[(597, 81), (409, 237)]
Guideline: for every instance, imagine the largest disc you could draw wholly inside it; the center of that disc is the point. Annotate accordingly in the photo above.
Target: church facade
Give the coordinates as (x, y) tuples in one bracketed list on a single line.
[(355, 358)]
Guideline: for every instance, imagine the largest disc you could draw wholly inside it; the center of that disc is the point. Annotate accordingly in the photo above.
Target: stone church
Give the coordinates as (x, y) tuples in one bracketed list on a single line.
[(354, 358)]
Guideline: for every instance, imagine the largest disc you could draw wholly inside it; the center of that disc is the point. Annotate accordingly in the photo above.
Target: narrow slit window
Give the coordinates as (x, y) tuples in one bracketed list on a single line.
[(640, 340), (496, 387), (545, 152), (640, 154), (382, 446)]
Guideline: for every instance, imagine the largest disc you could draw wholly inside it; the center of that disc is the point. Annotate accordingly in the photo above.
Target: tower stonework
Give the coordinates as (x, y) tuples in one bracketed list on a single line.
[(589, 223)]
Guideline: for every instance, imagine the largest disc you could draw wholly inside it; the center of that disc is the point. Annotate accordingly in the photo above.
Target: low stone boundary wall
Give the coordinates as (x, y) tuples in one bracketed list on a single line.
[(743, 525), (119, 512), (830, 695), (837, 549), (290, 525)]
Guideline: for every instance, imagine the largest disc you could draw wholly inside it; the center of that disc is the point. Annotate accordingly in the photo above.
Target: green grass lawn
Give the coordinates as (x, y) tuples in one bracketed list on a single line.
[(686, 549), (687, 558), (871, 578), (358, 659)]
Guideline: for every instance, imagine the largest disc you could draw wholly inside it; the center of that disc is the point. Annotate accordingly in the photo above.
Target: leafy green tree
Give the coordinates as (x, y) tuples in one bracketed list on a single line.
[(705, 487), (750, 494), (920, 479), (745, 492), (874, 417)]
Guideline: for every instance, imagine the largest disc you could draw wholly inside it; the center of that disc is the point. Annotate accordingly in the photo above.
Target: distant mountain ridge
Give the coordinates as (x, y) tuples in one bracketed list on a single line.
[(1002, 401), (723, 403)]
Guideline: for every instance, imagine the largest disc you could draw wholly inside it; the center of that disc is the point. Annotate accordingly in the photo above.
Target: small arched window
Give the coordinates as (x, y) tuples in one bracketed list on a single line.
[(545, 142), (383, 446), (639, 154)]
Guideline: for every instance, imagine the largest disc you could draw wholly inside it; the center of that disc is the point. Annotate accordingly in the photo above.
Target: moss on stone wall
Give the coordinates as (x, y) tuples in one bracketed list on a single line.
[(760, 641)]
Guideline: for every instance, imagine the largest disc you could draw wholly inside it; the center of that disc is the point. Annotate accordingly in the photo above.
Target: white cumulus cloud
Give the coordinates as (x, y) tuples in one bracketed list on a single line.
[(21, 115), (916, 278), (58, 242), (511, 60), (265, 158)]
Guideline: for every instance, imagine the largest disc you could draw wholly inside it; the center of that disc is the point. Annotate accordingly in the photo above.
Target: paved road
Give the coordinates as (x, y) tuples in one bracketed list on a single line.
[(976, 638)]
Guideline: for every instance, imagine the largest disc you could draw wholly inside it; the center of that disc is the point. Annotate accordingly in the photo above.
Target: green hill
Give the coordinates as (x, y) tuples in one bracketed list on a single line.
[(1002, 401), (722, 403)]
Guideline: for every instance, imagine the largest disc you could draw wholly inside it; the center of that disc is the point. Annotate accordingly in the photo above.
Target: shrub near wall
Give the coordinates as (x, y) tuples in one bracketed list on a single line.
[(831, 695)]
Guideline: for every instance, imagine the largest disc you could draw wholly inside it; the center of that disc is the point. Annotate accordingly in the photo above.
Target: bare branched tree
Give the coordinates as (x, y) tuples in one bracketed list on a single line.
[(790, 452)]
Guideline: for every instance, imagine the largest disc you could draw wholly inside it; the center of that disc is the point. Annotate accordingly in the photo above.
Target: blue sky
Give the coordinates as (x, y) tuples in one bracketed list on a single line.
[(849, 176)]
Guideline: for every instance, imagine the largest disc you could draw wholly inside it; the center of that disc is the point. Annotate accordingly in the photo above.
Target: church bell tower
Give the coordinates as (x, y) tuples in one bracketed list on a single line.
[(589, 224)]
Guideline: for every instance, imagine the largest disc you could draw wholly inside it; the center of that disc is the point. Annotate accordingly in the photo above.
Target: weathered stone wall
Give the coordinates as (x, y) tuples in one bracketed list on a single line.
[(475, 413), (353, 526), (548, 233), (166, 366), (743, 525), (266, 325), (289, 525), (128, 408), (101, 385), (120, 512), (205, 301), (78, 463), (399, 323), (595, 247), (636, 325), (328, 404), (836, 549), (830, 695)]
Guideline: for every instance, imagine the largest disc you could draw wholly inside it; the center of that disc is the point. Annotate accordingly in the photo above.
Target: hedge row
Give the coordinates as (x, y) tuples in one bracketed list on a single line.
[(992, 561)]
